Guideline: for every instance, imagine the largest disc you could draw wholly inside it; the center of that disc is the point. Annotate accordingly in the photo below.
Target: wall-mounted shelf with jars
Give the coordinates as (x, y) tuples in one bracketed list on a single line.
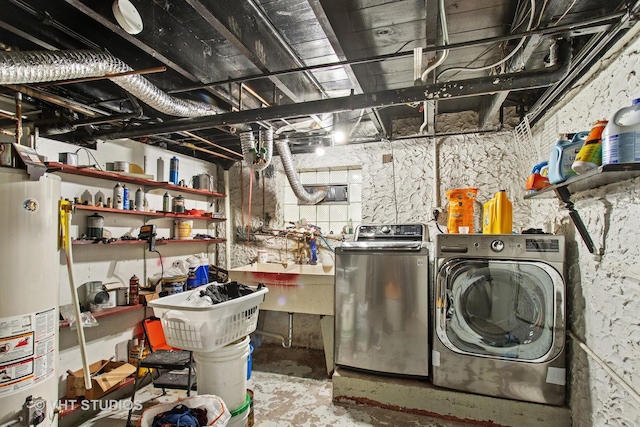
[(592, 179)]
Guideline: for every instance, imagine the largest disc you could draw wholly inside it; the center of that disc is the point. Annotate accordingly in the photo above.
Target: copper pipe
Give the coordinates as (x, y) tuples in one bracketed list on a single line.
[(8, 116), (255, 95), (55, 99), (7, 132), (106, 76), (201, 139), (204, 150)]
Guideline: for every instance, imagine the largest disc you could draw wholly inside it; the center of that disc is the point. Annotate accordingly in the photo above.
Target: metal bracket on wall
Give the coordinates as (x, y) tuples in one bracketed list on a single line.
[(564, 195)]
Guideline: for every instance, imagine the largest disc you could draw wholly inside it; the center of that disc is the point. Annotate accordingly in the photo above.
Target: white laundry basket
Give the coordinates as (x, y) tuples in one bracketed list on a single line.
[(205, 329)]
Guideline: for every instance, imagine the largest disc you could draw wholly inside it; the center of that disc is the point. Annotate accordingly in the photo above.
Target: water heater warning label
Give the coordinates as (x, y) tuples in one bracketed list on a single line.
[(27, 350)]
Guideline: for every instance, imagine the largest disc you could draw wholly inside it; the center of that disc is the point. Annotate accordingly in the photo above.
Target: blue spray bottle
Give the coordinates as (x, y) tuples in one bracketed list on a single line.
[(314, 250)]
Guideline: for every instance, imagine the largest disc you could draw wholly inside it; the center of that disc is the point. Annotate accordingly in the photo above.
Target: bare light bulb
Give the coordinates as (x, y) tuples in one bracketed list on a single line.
[(320, 151), (339, 137)]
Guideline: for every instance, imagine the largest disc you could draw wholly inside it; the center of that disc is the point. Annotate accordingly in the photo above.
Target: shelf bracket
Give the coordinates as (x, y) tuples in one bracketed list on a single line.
[(564, 195)]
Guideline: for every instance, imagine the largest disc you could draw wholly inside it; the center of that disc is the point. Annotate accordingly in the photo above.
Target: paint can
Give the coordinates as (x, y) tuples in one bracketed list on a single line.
[(178, 204), (182, 229), (263, 256), (121, 166)]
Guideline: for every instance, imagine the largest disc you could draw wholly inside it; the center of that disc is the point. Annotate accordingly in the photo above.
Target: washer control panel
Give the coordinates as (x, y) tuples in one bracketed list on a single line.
[(497, 245), (417, 232)]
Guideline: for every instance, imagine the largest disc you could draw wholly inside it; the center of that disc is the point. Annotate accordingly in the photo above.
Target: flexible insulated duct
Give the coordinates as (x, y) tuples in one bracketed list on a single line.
[(250, 152), (292, 176), (47, 66)]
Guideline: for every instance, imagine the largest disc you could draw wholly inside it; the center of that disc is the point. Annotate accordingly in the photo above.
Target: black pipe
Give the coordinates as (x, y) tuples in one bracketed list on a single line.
[(448, 90)]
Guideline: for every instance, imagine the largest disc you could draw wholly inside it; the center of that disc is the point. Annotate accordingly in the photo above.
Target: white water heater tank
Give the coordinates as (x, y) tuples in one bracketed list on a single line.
[(29, 282)]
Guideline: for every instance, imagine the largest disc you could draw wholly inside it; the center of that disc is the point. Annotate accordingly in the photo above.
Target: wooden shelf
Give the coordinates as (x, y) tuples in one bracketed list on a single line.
[(144, 242), (117, 242), (113, 176), (170, 241), (107, 313), (156, 214), (115, 211)]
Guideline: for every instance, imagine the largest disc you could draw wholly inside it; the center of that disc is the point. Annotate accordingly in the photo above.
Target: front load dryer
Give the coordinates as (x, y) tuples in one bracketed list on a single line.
[(499, 316)]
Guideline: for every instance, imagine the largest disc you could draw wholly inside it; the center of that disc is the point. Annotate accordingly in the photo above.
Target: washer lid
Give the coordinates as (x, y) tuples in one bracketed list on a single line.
[(127, 16)]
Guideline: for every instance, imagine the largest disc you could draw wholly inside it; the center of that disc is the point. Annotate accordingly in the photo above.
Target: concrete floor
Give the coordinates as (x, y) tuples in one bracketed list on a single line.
[(291, 388)]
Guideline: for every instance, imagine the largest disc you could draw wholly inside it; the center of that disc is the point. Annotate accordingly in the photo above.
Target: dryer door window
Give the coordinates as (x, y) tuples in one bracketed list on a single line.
[(500, 309)]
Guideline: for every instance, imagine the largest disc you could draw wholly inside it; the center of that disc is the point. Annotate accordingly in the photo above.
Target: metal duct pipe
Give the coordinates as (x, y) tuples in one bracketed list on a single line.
[(257, 161), (46, 66), (292, 176)]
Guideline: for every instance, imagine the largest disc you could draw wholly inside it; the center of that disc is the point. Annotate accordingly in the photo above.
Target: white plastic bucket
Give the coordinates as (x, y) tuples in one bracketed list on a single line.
[(223, 372), (240, 416)]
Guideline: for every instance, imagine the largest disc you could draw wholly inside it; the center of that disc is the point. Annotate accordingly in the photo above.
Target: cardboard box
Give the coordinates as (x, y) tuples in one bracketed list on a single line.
[(105, 376), (146, 296)]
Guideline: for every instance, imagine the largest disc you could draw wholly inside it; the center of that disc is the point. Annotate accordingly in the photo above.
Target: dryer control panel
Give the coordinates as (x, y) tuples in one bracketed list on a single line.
[(506, 246)]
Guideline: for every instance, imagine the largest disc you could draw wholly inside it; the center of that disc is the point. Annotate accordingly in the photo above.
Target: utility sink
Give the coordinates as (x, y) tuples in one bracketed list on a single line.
[(295, 288)]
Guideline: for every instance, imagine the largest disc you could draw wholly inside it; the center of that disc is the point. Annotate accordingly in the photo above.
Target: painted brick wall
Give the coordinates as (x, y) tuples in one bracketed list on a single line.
[(604, 292)]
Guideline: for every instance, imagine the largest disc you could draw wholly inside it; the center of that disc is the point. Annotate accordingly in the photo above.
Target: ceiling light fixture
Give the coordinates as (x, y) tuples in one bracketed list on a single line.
[(320, 151), (127, 16)]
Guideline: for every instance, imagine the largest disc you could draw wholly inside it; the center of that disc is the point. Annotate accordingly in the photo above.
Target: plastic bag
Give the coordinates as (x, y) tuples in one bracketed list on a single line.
[(68, 313), (218, 414)]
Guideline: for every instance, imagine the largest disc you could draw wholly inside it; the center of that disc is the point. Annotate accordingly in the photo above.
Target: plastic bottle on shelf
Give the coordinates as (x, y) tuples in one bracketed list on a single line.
[(621, 136)]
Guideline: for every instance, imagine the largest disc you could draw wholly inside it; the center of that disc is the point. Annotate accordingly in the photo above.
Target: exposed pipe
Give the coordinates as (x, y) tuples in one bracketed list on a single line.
[(445, 90), (19, 117), (44, 66), (286, 342), (257, 158), (292, 175), (445, 40), (634, 394), (547, 31)]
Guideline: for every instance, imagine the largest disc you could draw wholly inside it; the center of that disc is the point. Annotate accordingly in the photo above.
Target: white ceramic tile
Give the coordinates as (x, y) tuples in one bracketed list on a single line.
[(339, 212), (338, 226), (322, 213), (355, 175), (289, 196), (355, 193), (308, 212), (355, 211), (338, 177), (308, 177), (324, 226), (323, 177), (291, 212)]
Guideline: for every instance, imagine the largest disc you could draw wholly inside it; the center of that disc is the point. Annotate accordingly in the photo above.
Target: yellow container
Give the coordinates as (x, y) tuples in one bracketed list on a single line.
[(497, 216)]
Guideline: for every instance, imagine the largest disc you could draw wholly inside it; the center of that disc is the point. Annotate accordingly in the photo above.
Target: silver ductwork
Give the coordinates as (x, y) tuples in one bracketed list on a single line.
[(253, 158), (47, 66), (287, 162)]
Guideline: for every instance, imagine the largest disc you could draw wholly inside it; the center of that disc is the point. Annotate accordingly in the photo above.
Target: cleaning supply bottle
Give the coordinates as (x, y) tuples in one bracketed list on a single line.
[(498, 215), (590, 155), (563, 154), (313, 249), (621, 136)]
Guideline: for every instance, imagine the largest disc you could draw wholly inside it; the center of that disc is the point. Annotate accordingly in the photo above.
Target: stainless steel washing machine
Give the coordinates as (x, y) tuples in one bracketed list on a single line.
[(382, 300), (499, 315)]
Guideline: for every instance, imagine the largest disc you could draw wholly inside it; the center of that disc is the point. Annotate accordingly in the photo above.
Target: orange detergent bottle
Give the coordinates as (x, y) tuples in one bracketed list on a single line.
[(497, 217)]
